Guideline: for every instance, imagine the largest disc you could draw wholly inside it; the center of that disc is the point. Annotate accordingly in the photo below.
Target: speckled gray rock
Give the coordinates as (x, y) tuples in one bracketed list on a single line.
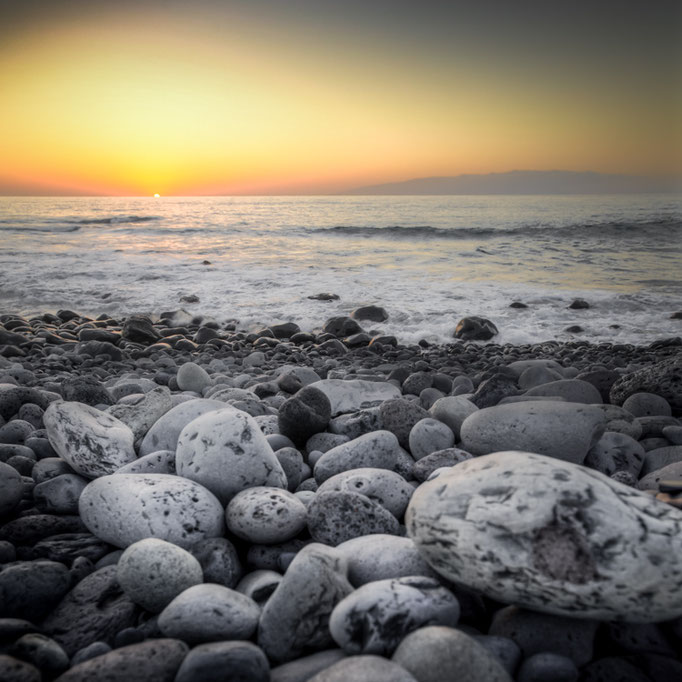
[(226, 452), (29, 589), (93, 443), (520, 366), (378, 449), (399, 416), (15, 670), (219, 561), (430, 435), (192, 377), (571, 390), (385, 487), (304, 668), (11, 488), (436, 654), (669, 472), (363, 669), (452, 410), (297, 614), (122, 509), (161, 462), (153, 572), (325, 441), (556, 537), (208, 613), (436, 460), (375, 617), (616, 452), (506, 650), (661, 457), (355, 424), (565, 431), (647, 405), (217, 661), (41, 651), (380, 556), (155, 659), (663, 379), (547, 666), (142, 415), (163, 435), (337, 516), (59, 495), (265, 515), (354, 395)]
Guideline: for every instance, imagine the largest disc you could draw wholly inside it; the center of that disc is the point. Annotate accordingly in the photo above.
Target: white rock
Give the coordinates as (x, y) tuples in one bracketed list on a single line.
[(92, 442), (192, 377), (141, 416), (354, 395), (226, 452), (123, 509), (551, 536)]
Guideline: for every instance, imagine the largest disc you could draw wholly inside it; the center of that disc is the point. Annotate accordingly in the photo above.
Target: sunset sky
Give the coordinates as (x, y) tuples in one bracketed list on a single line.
[(313, 96)]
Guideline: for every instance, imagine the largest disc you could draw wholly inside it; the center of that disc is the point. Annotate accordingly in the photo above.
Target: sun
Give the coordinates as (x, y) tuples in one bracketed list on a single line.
[(157, 196)]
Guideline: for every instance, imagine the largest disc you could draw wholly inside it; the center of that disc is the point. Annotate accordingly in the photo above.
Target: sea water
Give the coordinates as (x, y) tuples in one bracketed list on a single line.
[(427, 260)]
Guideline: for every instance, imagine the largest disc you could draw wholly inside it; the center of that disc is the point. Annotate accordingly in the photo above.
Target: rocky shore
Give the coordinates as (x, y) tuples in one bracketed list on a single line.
[(185, 501)]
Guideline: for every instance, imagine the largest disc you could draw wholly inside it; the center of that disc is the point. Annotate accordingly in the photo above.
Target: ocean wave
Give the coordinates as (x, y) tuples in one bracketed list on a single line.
[(9, 227), (66, 224), (116, 220)]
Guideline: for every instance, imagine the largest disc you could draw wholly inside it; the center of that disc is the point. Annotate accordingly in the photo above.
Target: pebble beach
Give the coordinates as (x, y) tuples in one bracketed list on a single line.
[(182, 499)]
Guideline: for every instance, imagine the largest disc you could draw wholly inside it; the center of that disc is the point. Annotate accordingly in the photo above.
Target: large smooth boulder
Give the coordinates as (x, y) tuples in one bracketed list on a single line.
[(355, 394), (226, 452), (122, 509), (552, 536), (562, 430), (93, 443)]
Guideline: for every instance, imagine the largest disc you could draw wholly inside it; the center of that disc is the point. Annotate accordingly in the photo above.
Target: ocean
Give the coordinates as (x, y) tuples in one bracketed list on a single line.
[(428, 260)]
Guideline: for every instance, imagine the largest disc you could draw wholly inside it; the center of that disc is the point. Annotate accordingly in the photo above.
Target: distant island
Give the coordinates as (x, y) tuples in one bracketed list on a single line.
[(526, 182)]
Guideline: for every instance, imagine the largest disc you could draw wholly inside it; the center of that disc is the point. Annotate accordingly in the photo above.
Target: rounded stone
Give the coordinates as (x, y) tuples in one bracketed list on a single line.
[(41, 651), (209, 612), (219, 561), (552, 536), (93, 443), (436, 653), (452, 410), (304, 414), (29, 589), (192, 377), (616, 452), (547, 666), (122, 509), (153, 572), (337, 516), (213, 662), (259, 584), (353, 395), (399, 416), (60, 495), (647, 405), (265, 515), (11, 488), (571, 390), (430, 435), (378, 615), (436, 460), (565, 431), (226, 452), (14, 670), (385, 487)]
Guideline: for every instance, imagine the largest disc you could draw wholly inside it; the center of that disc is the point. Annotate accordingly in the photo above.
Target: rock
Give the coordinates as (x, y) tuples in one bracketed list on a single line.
[(123, 509), (565, 431), (493, 390), (374, 313), (304, 668), (475, 329), (378, 449), (11, 400), (611, 669), (601, 379), (86, 390), (381, 556), (436, 460), (153, 572), (349, 426), (259, 585), (156, 659), (572, 390), (335, 516), (296, 615), (265, 515), (91, 651), (219, 561), (341, 326), (428, 436), (242, 661), (141, 416), (452, 411), (417, 382), (517, 304), (436, 653), (385, 487), (363, 669), (139, 329), (647, 405), (163, 435), (161, 462), (68, 548), (60, 495), (42, 652), (226, 452), (539, 632), (192, 377), (399, 417), (546, 666), (29, 589), (616, 452), (324, 297), (378, 615), (506, 650), (27, 530), (208, 613), (671, 472), (11, 489), (537, 375), (295, 468), (14, 670), (556, 537), (304, 414), (579, 304), (661, 457), (93, 443), (663, 379), (94, 610), (353, 395), (520, 366)]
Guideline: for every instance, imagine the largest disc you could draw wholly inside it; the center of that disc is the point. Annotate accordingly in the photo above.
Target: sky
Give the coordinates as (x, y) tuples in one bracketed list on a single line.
[(316, 96)]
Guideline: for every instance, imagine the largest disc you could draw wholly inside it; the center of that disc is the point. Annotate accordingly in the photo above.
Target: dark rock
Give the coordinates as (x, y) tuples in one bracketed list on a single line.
[(12, 399), (374, 313), (210, 662), (546, 666), (86, 390), (475, 329), (285, 330), (29, 589), (95, 348), (612, 669), (399, 416), (219, 561), (304, 668), (517, 304), (574, 329), (324, 297), (492, 390), (68, 547), (442, 458), (189, 298), (341, 326), (579, 304), (663, 378), (416, 382), (602, 380), (304, 414), (27, 530), (139, 329), (42, 652), (101, 335), (14, 670)]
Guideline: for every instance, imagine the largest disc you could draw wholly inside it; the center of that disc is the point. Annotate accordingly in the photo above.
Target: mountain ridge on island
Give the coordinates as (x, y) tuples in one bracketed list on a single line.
[(525, 182)]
